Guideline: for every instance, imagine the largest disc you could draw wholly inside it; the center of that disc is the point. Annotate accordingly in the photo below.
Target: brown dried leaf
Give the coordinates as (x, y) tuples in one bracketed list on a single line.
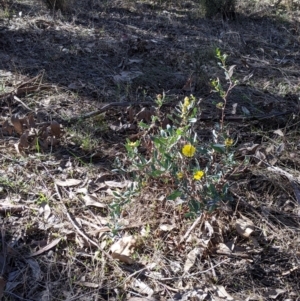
[(55, 129), (123, 248), (260, 157), (223, 249), (166, 227), (31, 121), (142, 287), (46, 210), (248, 148), (91, 200), (145, 114), (42, 143), (54, 141), (7, 128), (124, 245), (279, 132), (68, 182), (23, 142), (123, 258), (209, 232), (244, 227), (221, 292), (46, 248), (191, 258), (16, 121), (18, 148), (89, 284), (44, 132), (130, 114), (115, 184)]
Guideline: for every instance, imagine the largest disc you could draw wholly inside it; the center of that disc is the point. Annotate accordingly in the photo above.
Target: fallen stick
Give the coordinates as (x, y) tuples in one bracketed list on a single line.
[(105, 108)]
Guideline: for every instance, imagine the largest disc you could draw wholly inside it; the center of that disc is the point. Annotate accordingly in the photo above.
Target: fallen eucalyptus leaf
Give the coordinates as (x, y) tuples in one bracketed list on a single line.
[(142, 287), (68, 182), (191, 258), (166, 227), (279, 132), (15, 120), (244, 227), (46, 248), (90, 200)]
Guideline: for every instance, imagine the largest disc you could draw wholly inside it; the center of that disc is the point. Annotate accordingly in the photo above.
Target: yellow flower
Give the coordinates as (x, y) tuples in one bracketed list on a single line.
[(228, 142), (133, 144), (198, 175), (179, 175), (188, 150), (186, 102)]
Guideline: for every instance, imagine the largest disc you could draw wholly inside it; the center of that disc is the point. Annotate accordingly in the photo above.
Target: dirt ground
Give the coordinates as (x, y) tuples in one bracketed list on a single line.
[(107, 57)]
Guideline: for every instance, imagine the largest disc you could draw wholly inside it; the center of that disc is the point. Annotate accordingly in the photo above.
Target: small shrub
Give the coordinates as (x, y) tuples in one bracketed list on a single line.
[(178, 160)]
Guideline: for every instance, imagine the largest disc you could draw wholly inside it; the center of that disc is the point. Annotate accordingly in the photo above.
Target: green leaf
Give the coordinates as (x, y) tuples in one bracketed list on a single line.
[(195, 207), (158, 141), (193, 120), (212, 189), (220, 148), (225, 189), (143, 160), (116, 194), (175, 194), (202, 150), (144, 125), (163, 164), (179, 132), (155, 155), (156, 173), (169, 158), (190, 215)]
